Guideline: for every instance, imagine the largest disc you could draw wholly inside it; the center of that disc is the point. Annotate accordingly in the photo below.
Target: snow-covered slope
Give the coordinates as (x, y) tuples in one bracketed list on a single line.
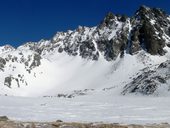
[(106, 57)]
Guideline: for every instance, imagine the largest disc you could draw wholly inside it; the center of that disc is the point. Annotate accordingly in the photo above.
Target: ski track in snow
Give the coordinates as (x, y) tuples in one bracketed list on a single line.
[(96, 108)]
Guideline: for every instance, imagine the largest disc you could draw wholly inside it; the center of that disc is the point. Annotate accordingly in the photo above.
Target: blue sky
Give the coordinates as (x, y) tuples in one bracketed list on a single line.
[(31, 20)]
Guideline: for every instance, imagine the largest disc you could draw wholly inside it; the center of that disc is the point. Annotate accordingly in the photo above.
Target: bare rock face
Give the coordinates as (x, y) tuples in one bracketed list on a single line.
[(153, 24), (2, 63), (36, 61), (149, 29), (135, 44), (108, 20), (149, 81)]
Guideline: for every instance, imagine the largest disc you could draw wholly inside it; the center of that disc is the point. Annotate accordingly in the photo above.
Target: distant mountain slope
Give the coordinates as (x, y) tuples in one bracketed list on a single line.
[(107, 56)]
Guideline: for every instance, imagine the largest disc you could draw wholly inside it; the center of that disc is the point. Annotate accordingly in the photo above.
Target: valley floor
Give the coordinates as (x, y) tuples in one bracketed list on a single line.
[(90, 108)]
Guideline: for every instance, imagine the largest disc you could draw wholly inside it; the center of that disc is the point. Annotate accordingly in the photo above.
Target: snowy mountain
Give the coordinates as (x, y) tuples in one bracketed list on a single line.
[(122, 55)]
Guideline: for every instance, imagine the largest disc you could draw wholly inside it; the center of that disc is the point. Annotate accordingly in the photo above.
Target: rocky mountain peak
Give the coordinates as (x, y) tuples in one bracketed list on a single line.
[(151, 29), (145, 13), (6, 48), (148, 30), (143, 9), (109, 18)]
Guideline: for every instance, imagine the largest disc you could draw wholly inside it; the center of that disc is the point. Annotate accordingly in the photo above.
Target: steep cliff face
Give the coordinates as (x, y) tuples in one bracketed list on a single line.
[(153, 29), (142, 40)]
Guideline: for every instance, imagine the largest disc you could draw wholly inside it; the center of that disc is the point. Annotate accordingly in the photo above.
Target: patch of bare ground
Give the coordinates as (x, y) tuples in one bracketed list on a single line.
[(6, 123)]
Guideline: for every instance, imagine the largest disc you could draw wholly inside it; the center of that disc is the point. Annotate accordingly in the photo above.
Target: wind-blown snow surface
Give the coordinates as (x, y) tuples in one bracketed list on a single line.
[(91, 108)]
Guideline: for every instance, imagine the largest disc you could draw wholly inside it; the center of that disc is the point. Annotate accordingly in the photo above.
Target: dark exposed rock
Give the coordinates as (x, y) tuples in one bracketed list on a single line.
[(123, 18), (153, 22), (87, 49), (160, 79), (60, 50), (8, 81), (4, 118), (112, 48), (75, 93), (164, 65), (59, 121), (149, 81), (2, 63), (108, 19), (153, 43), (168, 45), (142, 84), (36, 61), (19, 79), (134, 41)]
